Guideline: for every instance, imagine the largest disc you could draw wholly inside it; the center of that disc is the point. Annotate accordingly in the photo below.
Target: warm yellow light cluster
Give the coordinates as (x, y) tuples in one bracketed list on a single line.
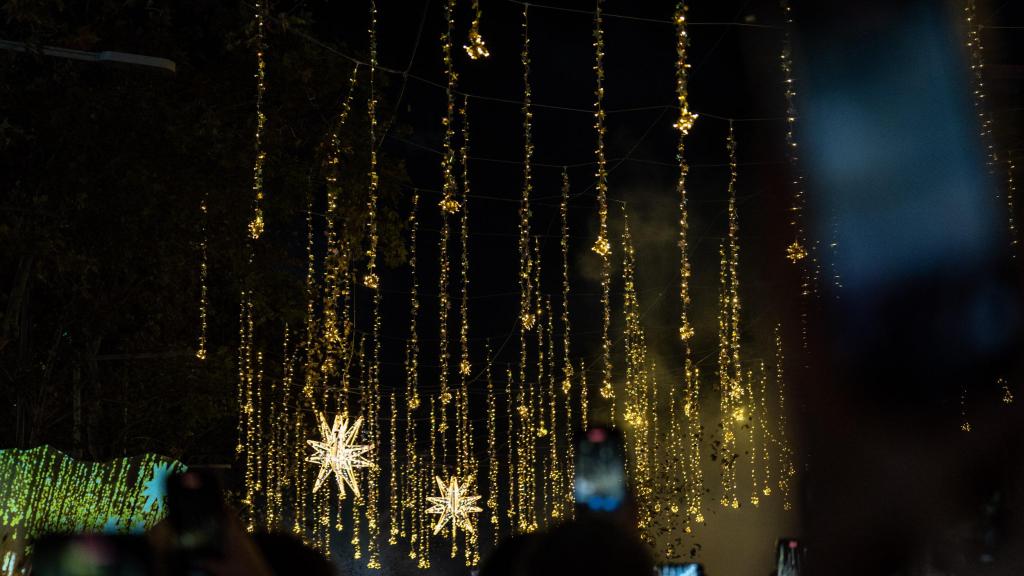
[(730, 372), (256, 222), (203, 270), (602, 246), (476, 48), (464, 365), (787, 471)]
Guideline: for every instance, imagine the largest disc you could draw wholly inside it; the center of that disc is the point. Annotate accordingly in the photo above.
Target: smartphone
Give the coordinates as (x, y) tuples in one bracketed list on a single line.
[(600, 481), (92, 555), (195, 511), (788, 557), (685, 569)]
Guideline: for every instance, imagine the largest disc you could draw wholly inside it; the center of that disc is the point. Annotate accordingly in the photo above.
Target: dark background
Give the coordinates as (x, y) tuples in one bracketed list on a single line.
[(102, 169)]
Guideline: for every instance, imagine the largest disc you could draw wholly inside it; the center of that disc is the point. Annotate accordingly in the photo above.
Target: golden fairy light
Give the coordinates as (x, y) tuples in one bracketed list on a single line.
[(729, 368), (256, 222), (335, 260), (686, 117), (1007, 397), (411, 497), (965, 423), (526, 315), (370, 280), (339, 453), (453, 505), (1011, 193), (513, 450), (584, 397), (563, 212), (448, 203), (567, 368), (786, 468), (476, 48), (464, 365), (693, 475), (203, 302), (602, 246), (394, 512), (797, 250), (637, 408), (493, 487), (766, 433)]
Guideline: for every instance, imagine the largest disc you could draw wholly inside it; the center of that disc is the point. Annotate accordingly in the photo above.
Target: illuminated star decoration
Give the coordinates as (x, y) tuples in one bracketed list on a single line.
[(454, 505), (795, 252), (338, 452)]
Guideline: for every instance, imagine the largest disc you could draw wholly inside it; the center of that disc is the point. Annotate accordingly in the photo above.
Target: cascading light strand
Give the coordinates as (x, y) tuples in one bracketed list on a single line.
[(370, 279), (729, 366), (786, 469), (203, 272), (602, 246), (692, 473), (410, 498), (464, 364), (1011, 194), (448, 204), (513, 452), (493, 487), (476, 48), (526, 315), (567, 368), (256, 223), (335, 271), (798, 249)]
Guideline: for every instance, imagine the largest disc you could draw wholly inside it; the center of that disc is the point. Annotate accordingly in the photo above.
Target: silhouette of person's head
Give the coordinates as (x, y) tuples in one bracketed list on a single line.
[(593, 546), (286, 554)]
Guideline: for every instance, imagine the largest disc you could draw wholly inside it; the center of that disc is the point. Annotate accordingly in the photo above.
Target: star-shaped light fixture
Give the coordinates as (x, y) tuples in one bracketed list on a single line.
[(454, 505), (339, 453)]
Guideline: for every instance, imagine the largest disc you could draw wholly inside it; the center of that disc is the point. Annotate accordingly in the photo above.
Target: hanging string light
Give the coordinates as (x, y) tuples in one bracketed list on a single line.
[(335, 260), (692, 473), (513, 451), (567, 368), (753, 422), (464, 365), (204, 218), (394, 511), (766, 433), (370, 280), (448, 203), (526, 314), (476, 47), (584, 397), (602, 246), (730, 370), (554, 462), (256, 222), (797, 250), (637, 408), (1011, 194), (410, 496), (493, 487), (787, 471)]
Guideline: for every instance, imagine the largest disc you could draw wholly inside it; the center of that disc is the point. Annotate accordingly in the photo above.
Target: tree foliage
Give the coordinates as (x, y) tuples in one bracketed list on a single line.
[(103, 168)]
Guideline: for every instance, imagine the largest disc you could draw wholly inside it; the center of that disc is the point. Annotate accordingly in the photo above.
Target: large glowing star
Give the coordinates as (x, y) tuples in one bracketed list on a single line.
[(454, 505), (338, 452)]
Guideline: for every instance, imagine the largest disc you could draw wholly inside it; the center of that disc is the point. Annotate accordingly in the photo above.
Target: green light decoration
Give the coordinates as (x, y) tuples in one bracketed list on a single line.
[(44, 490)]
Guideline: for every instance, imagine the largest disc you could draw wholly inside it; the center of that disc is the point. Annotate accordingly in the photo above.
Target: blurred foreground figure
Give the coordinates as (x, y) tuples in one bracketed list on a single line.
[(592, 547), (913, 459)]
